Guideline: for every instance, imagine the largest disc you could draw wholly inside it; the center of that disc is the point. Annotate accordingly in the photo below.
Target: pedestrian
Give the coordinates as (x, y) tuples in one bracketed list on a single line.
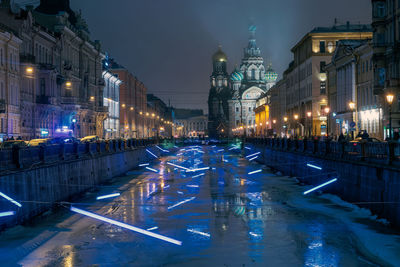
[(341, 138), (365, 135)]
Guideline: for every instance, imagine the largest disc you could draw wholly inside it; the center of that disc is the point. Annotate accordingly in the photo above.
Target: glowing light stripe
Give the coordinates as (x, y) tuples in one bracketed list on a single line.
[(313, 166), (220, 150), (151, 153), (198, 175), (7, 213), (176, 147), (126, 226), (253, 158), (192, 185), (198, 232), (165, 187), (214, 146), (181, 167), (198, 169), (255, 154), (253, 172), (108, 196), (248, 148), (318, 187), (225, 160), (152, 228), (144, 164), (232, 148), (151, 169), (10, 199), (180, 192), (180, 154), (163, 150), (180, 203)]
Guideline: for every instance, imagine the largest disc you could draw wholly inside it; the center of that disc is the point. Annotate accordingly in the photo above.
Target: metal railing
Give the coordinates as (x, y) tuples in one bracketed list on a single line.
[(373, 152)]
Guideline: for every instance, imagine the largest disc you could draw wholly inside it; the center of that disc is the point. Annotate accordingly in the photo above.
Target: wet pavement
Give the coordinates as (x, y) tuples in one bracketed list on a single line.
[(223, 216)]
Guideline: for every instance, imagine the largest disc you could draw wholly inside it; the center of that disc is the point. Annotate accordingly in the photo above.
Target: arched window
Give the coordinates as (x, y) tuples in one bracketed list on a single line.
[(253, 74)]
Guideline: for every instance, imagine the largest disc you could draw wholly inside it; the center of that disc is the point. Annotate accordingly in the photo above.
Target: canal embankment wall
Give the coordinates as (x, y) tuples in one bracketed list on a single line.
[(58, 173), (371, 184)]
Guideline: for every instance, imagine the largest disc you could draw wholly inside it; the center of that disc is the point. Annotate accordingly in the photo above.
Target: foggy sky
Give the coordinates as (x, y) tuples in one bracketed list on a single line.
[(168, 44)]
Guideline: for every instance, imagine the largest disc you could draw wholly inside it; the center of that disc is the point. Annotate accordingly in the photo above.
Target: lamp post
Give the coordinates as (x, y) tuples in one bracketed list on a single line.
[(352, 107), (327, 110), (296, 117), (309, 114), (389, 99)]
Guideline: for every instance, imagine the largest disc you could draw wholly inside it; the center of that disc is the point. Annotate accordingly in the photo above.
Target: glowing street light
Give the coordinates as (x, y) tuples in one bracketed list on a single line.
[(296, 116), (29, 70), (389, 99), (352, 105), (309, 114), (68, 84), (285, 119)]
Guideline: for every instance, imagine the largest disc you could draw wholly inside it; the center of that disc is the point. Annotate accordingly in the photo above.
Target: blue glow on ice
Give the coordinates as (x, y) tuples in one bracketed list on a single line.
[(220, 150), (151, 153), (180, 192), (318, 187), (126, 226), (313, 166), (248, 148), (253, 158), (180, 203), (181, 167), (198, 175), (198, 169), (151, 169), (10, 199), (253, 172), (7, 213), (198, 232), (144, 164), (152, 228), (108, 196), (193, 185), (255, 154)]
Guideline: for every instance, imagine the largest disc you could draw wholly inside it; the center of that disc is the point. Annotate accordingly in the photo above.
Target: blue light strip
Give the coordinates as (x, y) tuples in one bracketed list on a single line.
[(198, 232), (313, 166), (198, 169), (144, 164), (248, 148), (220, 150), (255, 154), (180, 203), (163, 150), (151, 169), (126, 226), (10, 199), (180, 192), (253, 172), (152, 228), (192, 185), (7, 213), (108, 196), (253, 158), (151, 153), (181, 167), (198, 175), (318, 187)]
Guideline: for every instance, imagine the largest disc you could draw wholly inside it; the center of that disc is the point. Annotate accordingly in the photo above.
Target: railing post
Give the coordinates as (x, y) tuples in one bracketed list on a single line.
[(16, 156), (42, 153), (391, 148), (62, 151), (76, 150), (363, 152)]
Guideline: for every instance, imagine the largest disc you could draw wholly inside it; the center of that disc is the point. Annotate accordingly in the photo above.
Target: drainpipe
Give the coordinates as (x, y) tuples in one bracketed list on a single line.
[(7, 79)]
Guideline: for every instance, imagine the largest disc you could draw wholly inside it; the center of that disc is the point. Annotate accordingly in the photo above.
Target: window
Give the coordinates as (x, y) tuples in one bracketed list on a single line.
[(42, 86), (237, 109), (366, 66), (363, 67), (249, 122), (323, 88), (237, 122), (380, 9), (253, 74), (322, 65), (250, 109), (322, 46), (2, 92), (370, 64), (1, 56)]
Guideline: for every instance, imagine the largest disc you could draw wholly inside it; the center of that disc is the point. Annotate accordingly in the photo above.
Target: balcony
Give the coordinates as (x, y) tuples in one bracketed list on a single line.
[(28, 58), (43, 99)]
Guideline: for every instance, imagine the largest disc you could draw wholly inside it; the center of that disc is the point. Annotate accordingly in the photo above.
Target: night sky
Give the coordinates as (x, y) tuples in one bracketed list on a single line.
[(168, 44)]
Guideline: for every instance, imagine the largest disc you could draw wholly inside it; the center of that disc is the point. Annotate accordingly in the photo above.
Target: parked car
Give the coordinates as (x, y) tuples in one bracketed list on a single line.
[(369, 139), (62, 139), (37, 142), (90, 138), (11, 143)]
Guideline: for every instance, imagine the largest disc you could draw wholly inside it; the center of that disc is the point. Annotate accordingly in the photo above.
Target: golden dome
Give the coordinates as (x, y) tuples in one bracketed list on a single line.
[(220, 55)]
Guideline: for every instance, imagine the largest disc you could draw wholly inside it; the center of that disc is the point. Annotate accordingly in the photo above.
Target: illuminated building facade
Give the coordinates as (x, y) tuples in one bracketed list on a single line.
[(192, 126), (9, 85), (111, 101), (350, 85), (306, 79)]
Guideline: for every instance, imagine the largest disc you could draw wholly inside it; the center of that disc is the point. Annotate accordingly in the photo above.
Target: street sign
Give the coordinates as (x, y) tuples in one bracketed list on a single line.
[(352, 124)]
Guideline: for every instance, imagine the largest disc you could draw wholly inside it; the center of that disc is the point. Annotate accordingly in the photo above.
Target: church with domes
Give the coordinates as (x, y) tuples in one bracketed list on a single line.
[(232, 98)]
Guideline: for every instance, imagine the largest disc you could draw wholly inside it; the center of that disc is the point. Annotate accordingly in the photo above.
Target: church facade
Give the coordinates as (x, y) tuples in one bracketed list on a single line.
[(232, 98)]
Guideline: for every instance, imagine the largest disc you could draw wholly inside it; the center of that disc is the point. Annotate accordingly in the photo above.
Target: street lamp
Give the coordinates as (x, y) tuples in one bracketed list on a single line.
[(29, 70), (389, 99), (352, 107), (327, 110), (309, 114), (296, 116)]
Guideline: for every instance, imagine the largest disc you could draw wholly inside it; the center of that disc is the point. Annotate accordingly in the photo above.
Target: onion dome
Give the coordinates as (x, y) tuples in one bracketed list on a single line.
[(271, 75), (236, 76), (219, 56)]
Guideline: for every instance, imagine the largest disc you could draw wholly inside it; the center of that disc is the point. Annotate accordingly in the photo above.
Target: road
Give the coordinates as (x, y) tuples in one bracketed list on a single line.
[(223, 216)]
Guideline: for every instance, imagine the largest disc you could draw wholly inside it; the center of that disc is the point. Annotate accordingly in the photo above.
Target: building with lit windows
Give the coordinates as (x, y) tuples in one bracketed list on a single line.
[(112, 103), (9, 85), (350, 90), (307, 107)]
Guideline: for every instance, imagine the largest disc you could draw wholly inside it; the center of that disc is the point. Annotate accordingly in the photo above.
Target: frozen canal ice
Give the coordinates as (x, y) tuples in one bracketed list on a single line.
[(222, 215)]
